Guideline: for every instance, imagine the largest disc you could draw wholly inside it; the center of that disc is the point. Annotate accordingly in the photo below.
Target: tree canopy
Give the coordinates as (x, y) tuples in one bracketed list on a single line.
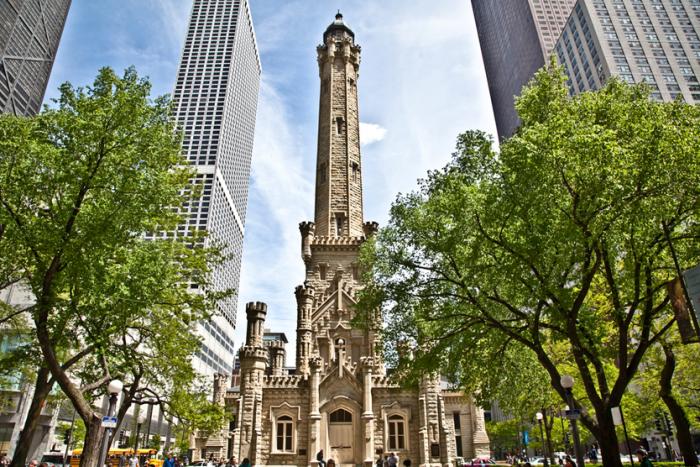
[(80, 186), (559, 245)]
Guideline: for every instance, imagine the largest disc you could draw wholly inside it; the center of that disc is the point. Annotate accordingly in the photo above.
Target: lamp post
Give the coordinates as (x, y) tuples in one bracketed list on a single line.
[(114, 388), (564, 437), (138, 433), (539, 417), (567, 382)]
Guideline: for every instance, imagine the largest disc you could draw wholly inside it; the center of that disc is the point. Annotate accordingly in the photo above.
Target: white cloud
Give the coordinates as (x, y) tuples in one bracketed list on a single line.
[(371, 133), (280, 196)]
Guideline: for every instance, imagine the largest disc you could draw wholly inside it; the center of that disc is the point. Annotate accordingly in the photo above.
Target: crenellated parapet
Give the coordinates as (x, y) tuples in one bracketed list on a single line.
[(370, 228), (284, 382), (250, 352)]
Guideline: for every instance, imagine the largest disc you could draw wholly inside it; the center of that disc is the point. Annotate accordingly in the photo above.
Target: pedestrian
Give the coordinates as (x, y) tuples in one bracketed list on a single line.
[(393, 460), (245, 462), (407, 463), (380, 461), (643, 457), (133, 461), (319, 458), (169, 462), (569, 462), (33, 463)]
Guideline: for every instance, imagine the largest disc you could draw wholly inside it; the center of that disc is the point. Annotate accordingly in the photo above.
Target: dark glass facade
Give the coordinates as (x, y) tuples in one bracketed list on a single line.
[(515, 37)]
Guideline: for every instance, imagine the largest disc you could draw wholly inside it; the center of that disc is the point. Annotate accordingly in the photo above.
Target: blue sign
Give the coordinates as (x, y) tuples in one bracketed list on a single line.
[(526, 438)]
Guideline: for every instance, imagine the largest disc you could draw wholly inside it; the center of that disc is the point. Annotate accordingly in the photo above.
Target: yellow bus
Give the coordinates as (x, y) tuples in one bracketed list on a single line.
[(147, 457)]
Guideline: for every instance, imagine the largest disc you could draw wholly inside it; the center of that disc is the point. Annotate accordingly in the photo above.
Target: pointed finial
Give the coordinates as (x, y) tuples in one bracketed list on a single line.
[(338, 16)]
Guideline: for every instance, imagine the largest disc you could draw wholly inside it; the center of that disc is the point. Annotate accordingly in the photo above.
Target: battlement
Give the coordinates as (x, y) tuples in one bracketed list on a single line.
[(307, 227), (252, 352), (285, 381), (274, 344), (256, 307), (303, 292), (370, 228)]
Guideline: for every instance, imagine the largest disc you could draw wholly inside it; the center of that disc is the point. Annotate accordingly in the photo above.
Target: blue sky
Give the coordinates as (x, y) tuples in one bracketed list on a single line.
[(421, 83)]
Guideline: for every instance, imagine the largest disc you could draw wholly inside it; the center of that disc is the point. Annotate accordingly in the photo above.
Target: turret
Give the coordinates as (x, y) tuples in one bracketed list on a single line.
[(305, 300), (255, 313), (307, 235)]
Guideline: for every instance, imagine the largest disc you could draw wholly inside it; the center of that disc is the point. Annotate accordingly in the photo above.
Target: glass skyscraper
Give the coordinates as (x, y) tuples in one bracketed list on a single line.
[(30, 31), (215, 102), (516, 38)]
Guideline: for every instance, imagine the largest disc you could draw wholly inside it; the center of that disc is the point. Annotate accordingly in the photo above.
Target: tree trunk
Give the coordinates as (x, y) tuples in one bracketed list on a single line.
[(548, 424), (607, 439), (42, 388), (93, 438), (680, 419)]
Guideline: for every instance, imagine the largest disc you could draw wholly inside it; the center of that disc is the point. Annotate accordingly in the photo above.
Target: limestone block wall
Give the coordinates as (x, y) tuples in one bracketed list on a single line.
[(386, 401), (294, 402)]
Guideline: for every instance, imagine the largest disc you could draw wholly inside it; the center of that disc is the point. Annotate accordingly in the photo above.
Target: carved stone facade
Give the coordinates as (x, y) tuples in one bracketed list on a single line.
[(339, 397)]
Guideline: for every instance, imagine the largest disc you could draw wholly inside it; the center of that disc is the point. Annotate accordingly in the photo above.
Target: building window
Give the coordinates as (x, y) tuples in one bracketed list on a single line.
[(397, 433), (284, 434), (341, 416)]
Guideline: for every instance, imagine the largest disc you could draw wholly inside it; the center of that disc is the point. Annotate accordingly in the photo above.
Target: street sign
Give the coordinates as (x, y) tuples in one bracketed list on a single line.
[(526, 438), (573, 414), (109, 422)]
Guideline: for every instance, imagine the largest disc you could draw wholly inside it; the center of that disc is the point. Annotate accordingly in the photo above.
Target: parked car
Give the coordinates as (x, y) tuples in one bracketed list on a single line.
[(55, 459), (536, 461)]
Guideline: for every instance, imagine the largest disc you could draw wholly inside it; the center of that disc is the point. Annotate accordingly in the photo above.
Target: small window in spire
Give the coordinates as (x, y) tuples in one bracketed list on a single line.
[(355, 171), (339, 125), (339, 224)]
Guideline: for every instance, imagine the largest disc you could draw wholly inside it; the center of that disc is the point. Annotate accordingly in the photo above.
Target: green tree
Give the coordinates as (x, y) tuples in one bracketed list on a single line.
[(668, 384), (559, 245), (80, 184)]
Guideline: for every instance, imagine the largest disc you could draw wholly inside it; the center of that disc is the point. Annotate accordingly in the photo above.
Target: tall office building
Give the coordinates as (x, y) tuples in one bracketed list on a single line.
[(655, 41), (516, 38), (215, 101), (30, 31)]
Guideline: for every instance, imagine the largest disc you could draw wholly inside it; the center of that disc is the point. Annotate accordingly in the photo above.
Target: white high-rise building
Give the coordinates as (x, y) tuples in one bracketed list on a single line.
[(652, 41), (215, 101)]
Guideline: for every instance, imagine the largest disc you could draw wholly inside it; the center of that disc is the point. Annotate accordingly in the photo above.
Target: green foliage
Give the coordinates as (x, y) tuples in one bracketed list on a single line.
[(195, 412), (155, 441), (555, 251), (80, 184)]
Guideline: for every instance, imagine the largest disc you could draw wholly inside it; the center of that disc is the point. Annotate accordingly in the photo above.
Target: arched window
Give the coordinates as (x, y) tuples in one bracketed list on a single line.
[(341, 416), (284, 434), (397, 433)]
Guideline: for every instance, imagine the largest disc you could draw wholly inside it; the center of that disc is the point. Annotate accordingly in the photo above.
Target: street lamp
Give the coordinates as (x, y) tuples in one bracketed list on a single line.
[(113, 389), (539, 417), (567, 382), (139, 422)]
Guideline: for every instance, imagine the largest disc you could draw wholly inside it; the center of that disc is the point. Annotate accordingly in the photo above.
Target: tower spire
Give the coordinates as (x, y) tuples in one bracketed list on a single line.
[(338, 210)]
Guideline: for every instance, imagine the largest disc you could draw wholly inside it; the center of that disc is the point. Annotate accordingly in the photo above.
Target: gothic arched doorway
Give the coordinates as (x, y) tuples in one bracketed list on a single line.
[(341, 436)]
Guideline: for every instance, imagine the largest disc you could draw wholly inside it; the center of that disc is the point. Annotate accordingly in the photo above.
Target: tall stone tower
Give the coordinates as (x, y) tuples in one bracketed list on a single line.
[(339, 404), (338, 167)]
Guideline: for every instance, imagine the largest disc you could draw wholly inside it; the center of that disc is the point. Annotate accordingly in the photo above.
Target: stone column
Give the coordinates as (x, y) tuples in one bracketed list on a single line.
[(305, 299), (367, 364), (316, 364), (480, 439)]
